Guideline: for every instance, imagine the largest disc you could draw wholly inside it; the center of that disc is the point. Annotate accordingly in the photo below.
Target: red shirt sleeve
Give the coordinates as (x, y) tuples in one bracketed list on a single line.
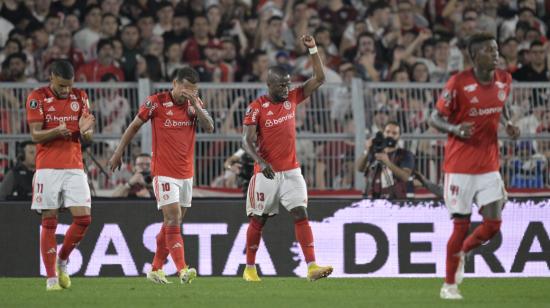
[(446, 103), (296, 95), (35, 111), (252, 114), (147, 109)]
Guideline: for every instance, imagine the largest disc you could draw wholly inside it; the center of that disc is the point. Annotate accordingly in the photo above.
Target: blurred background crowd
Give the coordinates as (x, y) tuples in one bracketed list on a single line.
[(403, 41)]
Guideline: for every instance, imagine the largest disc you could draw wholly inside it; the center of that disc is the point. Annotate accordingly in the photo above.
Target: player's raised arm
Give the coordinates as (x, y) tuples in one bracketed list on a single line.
[(116, 160), (318, 77), (249, 145)]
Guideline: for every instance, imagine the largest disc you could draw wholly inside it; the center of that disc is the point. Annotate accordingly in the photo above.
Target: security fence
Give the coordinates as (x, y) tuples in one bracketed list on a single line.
[(332, 128)]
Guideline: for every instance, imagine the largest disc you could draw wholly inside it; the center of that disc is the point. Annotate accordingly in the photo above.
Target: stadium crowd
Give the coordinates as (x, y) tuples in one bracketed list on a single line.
[(406, 41)]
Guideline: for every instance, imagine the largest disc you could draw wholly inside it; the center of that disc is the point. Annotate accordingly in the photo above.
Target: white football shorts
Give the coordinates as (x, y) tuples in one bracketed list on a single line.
[(55, 188), (288, 189), (170, 190), (462, 190)]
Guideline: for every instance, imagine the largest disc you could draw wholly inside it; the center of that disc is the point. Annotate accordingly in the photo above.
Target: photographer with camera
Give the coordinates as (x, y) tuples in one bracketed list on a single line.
[(387, 167), (139, 185)]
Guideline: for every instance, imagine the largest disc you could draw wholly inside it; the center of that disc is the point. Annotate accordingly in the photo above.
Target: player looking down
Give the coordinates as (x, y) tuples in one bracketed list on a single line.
[(270, 138), (174, 116)]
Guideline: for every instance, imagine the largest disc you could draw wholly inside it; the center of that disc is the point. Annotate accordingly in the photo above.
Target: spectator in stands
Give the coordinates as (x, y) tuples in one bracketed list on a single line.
[(148, 66), (130, 42), (90, 34), (270, 37), (72, 23), (509, 49), (172, 56), (112, 108), (12, 46), (145, 23), (323, 38), (364, 55), (260, 64), (94, 70), (63, 41), (180, 29), (156, 48), (386, 166), (213, 69), (15, 68), (66, 7), (17, 183), (51, 24), (232, 57), (113, 7), (165, 18), (537, 69), (439, 70), (214, 17), (139, 185), (40, 41), (194, 47), (337, 14), (109, 26)]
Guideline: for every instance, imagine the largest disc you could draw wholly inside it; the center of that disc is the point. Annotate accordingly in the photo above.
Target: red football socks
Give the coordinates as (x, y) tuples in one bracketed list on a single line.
[(482, 233), (304, 236), (74, 235), (48, 245), (162, 252), (454, 245), (253, 237), (174, 243)]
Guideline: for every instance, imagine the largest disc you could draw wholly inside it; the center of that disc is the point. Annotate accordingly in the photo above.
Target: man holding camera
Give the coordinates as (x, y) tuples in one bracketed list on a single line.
[(139, 185), (387, 167)]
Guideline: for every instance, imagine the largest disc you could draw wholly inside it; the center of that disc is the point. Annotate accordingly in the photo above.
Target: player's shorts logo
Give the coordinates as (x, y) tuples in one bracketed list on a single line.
[(38, 199), (75, 106), (287, 105), (33, 104), (501, 95), (165, 197)]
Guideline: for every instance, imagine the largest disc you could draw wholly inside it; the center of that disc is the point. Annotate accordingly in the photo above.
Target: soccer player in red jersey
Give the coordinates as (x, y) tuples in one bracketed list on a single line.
[(469, 110), (270, 138), (58, 116), (174, 116)]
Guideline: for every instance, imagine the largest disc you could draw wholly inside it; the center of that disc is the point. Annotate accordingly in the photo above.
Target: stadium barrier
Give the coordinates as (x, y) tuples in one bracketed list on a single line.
[(360, 238), (332, 128)]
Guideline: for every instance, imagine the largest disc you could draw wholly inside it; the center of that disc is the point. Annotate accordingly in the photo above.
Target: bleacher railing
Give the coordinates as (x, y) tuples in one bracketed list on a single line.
[(332, 126)]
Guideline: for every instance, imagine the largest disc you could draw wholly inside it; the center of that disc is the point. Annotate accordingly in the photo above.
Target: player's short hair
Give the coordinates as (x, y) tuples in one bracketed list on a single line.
[(478, 38), (187, 73), (278, 70), (63, 69)]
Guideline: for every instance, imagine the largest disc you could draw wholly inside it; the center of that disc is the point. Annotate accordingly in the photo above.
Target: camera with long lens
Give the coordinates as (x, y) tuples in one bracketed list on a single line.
[(147, 177), (379, 143)]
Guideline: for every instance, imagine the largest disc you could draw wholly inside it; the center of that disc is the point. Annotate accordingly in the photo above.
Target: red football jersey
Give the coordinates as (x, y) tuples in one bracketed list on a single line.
[(466, 100), (276, 129), (43, 106), (173, 128)]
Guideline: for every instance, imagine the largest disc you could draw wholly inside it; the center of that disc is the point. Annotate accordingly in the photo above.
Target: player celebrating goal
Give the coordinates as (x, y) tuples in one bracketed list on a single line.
[(269, 125), (173, 116), (469, 110), (58, 115)]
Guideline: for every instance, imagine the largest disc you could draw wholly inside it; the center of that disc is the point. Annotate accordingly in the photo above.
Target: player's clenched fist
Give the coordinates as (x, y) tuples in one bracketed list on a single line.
[(267, 170), (308, 41), (464, 130), (86, 122), (512, 131)]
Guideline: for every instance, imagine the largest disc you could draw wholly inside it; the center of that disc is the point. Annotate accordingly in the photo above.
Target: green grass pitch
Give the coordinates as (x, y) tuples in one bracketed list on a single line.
[(274, 292)]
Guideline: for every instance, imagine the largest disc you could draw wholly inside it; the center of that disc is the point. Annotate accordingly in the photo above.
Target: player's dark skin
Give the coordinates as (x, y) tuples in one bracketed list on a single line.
[(484, 59), (278, 86)]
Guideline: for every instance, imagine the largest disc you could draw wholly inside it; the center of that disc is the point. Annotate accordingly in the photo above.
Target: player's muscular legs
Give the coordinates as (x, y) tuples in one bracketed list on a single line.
[(172, 214), (47, 241), (80, 210), (49, 213), (304, 236), (77, 230), (492, 214)]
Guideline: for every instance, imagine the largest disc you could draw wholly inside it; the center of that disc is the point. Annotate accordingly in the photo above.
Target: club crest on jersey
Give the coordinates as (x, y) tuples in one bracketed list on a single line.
[(33, 104), (75, 106), (168, 104), (265, 105), (287, 105), (470, 88), (501, 95)]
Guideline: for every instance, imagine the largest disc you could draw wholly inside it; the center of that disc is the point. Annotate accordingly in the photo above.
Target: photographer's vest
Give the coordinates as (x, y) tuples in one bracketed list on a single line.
[(374, 179)]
